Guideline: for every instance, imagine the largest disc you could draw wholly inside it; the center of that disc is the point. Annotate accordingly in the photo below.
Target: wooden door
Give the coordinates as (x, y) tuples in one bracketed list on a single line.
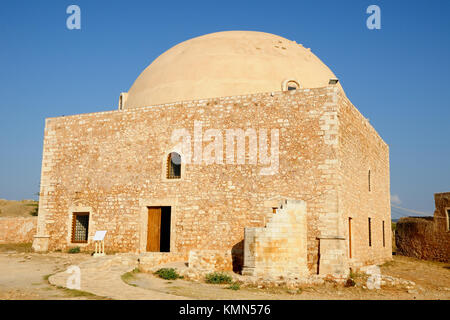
[(154, 229)]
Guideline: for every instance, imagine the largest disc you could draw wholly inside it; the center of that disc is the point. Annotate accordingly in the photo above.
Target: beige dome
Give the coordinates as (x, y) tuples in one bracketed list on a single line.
[(226, 64)]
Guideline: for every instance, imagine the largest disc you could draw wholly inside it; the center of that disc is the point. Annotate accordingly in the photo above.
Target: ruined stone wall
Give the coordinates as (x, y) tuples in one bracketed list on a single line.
[(361, 149), (211, 260), (278, 249), (111, 164), (426, 237), (441, 214), (17, 229)]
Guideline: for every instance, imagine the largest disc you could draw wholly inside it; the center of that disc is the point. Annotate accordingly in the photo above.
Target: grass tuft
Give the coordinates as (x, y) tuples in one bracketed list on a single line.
[(74, 250), (218, 278), (75, 292), (129, 276), (168, 274), (234, 286)]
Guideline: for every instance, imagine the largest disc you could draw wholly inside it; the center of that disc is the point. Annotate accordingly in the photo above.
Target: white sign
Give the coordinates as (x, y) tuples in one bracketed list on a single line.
[(99, 235)]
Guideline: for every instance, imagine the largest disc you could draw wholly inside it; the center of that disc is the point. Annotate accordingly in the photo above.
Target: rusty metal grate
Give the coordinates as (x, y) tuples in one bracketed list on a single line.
[(80, 227), (174, 166)]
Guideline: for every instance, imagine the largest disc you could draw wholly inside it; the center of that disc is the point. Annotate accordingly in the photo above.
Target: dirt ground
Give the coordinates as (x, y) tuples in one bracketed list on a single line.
[(23, 276), (432, 283)]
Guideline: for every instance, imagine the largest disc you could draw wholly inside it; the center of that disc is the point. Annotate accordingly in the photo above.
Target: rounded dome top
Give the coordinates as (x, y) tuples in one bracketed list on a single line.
[(227, 64)]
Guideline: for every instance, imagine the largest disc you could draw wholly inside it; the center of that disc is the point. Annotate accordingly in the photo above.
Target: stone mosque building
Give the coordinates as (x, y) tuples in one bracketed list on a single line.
[(235, 148)]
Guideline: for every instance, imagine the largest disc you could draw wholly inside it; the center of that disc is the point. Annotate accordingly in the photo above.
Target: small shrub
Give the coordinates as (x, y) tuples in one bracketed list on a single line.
[(35, 210), (234, 286), (218, 278), (168, 274), (74, 250)]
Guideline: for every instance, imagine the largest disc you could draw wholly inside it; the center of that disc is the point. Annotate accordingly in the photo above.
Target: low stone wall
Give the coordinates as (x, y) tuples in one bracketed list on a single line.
[(148, 261), (421, 238), (17, 229), (211, 260)]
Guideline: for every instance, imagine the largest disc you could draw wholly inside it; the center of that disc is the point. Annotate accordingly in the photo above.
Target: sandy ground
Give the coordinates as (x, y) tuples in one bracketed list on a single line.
[(432, 282), (23, 275)]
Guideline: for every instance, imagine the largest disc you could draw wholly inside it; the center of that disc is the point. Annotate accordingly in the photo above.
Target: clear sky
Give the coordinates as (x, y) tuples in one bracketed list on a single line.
[(398, 76)]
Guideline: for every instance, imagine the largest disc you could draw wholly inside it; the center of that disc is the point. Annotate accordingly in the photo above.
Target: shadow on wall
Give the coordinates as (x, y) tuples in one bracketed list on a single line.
[(237, 255)]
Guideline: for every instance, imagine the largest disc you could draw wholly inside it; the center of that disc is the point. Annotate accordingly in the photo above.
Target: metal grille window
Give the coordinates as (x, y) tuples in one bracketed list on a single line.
[(174, 166), (80, 227)]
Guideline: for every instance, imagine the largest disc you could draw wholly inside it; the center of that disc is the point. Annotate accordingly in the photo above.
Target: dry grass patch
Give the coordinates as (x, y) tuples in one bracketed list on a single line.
[(23, 208), (130, 276), (18, 247)]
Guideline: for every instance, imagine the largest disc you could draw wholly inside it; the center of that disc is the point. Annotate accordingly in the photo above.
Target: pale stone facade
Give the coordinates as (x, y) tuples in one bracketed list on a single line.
[(113, 166)]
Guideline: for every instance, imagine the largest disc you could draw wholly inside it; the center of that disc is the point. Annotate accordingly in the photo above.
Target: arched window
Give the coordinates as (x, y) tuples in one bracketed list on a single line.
[(292, 85), (174, 166)]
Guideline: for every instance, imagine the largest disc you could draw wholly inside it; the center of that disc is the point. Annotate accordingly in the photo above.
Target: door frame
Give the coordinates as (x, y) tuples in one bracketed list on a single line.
[(144, 204)]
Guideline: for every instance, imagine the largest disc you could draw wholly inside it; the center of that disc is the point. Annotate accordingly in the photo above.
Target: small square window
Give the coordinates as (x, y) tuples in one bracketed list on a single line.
[(80, 227)]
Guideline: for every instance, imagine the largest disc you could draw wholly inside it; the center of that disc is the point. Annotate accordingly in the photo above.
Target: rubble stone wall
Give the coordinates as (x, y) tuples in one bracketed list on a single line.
[(17, 229)]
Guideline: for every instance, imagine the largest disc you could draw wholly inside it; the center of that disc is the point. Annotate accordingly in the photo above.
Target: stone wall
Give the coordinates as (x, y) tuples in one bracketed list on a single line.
[(278, 249), (211, 260), (17, 229), (150, 261), (426, 237), (112, 164), (361, 150)]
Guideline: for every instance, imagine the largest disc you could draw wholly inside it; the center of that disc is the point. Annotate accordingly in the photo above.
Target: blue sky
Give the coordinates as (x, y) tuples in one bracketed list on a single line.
[(397, 76)]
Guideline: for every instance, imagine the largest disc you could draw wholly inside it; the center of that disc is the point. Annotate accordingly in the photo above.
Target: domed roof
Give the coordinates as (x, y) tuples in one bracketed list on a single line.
[(226, 64)]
